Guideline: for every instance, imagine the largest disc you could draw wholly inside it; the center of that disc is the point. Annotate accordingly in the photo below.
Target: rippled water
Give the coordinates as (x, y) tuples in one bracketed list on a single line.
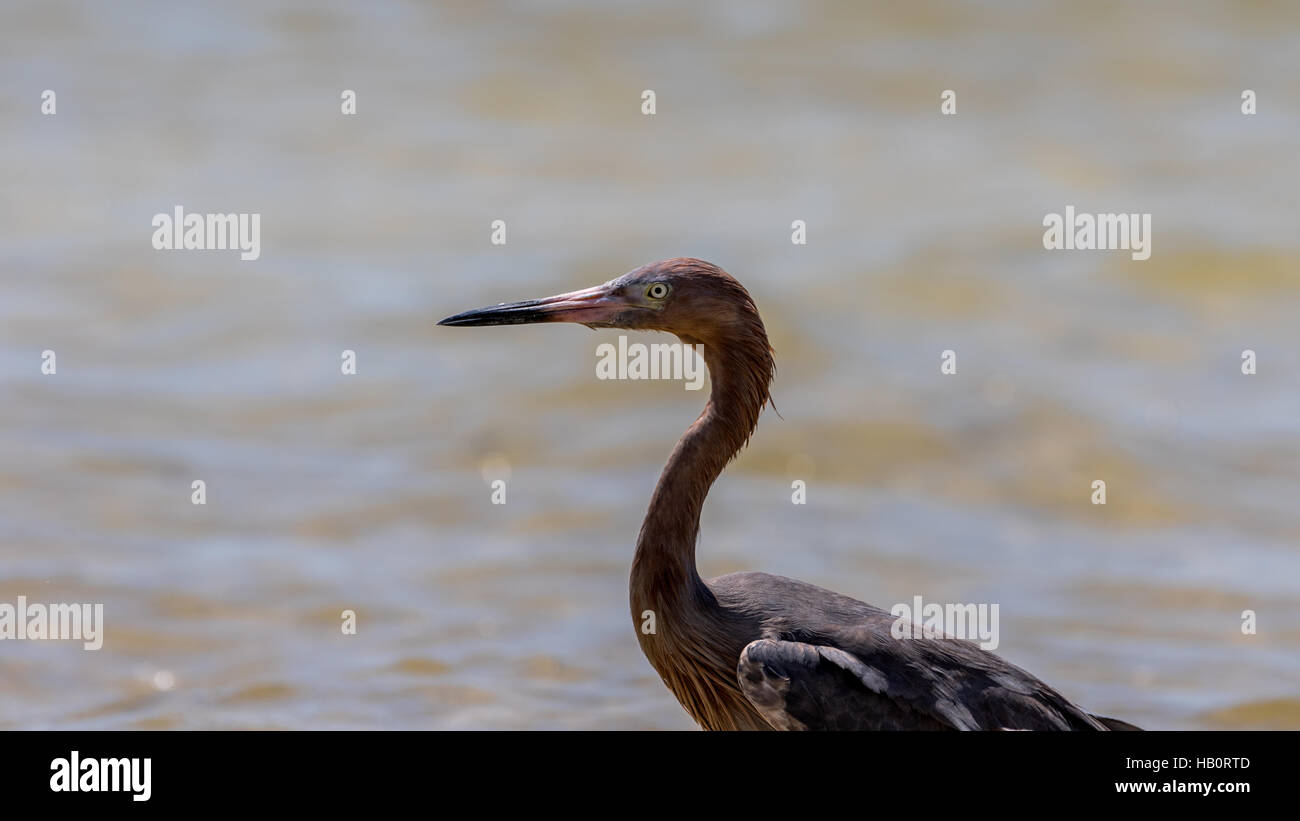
[(370, 492)]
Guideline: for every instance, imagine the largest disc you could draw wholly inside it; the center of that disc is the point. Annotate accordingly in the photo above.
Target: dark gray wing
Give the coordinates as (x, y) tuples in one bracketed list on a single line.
[(1116, 724), (861, 678)]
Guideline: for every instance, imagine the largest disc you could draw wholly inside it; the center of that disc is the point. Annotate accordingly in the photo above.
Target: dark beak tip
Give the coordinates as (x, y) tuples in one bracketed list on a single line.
[(462, 319)]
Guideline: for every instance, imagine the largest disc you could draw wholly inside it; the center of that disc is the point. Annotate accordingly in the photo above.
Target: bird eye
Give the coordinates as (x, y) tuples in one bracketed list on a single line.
[(657, 290)]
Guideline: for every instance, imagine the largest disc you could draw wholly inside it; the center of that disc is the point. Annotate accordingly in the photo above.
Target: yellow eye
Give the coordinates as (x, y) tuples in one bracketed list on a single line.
[(657, 290)]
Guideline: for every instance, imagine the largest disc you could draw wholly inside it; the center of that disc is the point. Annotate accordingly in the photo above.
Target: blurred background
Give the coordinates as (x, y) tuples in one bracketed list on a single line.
[(371, 492)]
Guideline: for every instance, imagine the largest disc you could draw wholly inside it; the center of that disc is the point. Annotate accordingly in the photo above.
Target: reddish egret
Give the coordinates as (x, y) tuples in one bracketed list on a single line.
[(753, 651)]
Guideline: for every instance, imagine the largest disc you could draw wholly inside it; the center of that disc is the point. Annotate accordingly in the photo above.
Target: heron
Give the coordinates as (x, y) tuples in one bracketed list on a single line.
[(754, 651)]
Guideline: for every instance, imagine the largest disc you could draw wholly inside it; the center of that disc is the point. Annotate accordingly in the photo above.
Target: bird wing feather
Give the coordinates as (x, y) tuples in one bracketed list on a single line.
[(861, 678)]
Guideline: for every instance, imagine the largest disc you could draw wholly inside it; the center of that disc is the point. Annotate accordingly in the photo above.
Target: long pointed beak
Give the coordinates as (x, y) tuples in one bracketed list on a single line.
[(591, 306)]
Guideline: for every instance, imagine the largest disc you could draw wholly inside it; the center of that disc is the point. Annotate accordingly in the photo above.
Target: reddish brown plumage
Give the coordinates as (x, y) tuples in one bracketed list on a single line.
[(696, 646)]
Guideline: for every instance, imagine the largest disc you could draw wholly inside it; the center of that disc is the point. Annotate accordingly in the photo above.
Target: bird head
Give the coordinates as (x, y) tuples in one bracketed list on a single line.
[(693, 299)]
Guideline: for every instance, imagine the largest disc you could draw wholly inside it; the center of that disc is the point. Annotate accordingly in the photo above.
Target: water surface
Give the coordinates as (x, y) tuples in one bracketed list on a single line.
[(370, 492)]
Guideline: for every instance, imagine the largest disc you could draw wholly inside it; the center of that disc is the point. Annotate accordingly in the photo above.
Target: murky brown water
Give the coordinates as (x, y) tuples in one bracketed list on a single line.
[(370, 492)]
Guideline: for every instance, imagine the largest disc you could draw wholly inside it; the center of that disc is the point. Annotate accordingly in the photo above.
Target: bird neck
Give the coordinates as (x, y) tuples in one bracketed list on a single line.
[(664, 570)]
